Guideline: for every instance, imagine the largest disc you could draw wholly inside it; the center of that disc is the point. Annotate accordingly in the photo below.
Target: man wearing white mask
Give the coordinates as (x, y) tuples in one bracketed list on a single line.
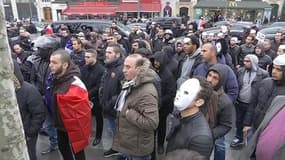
[(190, 130)]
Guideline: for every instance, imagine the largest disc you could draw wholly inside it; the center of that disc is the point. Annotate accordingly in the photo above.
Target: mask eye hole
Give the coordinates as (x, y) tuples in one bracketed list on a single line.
[(185, 92)]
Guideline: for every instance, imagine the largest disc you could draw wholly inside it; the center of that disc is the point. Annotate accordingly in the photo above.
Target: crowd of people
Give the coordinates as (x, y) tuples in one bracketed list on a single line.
[(141, 82)]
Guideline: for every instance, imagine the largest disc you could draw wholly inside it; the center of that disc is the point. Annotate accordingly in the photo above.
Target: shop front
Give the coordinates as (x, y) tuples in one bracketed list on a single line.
[(233, 10)]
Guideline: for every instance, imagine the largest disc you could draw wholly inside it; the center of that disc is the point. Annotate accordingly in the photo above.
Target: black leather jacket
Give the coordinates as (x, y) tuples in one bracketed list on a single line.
[(192, 133)]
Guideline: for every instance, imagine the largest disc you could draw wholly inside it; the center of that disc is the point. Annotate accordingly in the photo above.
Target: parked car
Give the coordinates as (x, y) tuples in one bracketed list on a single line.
[(166, 22), (76, 26), (141, 25), (270, 32), (278, 24)]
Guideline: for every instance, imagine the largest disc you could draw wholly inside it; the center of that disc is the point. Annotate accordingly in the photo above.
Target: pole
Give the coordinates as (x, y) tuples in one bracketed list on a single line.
[(14, 9), (139, 9), (30, 7)]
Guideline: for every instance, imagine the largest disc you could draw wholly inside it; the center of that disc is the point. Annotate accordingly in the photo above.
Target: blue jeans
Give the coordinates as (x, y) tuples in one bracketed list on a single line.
[(220, 149), (109, 132), (49, 127), (128, 157)]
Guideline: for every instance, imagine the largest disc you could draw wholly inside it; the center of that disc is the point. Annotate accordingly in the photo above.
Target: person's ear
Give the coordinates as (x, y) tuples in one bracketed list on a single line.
[(65, 65), (199, 102)]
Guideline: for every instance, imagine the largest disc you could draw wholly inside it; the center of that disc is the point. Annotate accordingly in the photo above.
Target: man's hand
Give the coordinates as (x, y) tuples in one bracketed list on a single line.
[(246, 129)]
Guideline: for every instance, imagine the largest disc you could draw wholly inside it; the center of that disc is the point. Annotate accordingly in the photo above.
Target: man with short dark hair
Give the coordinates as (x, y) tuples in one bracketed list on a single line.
[(77, 55), (192, 59), (209, 56), (249, 78), (72, 110), (91, 75), (245, 49), (110, 88), (137, 110)]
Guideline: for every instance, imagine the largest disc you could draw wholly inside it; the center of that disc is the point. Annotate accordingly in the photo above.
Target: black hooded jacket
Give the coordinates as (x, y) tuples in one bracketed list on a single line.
[(267, 91), (225, 110), (263, 59), (168, 83), (30, 104), (171, 62)]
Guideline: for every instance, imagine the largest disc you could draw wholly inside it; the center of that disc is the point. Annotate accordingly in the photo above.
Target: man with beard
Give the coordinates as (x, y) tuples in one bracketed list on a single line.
[(249, 78), (268, 50), (217, 76), (77, 55), (268, 90), (247, 48), (192, 59), (110, 88), (234, 50), (40, 77), (72, 111), (91, 76)]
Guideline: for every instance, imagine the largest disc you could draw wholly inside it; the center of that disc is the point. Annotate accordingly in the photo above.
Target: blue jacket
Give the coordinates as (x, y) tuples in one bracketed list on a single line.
[(231, 85)]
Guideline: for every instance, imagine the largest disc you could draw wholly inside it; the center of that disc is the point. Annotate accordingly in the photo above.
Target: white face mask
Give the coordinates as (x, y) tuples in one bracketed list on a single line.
[(186, 94)]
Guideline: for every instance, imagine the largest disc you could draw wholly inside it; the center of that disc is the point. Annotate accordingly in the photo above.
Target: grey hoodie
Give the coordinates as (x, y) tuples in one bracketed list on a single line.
[(248, 77)]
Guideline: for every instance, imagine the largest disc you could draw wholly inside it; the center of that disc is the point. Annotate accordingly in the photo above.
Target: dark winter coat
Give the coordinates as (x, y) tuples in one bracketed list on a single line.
[(255, 85), (231, 84), (249, 151), (234, 52), (264, 61), (192, 133), (91, 77), (225, 110), (168, 84), (244, 50), (78, 58), (110, 86), (30, 104)]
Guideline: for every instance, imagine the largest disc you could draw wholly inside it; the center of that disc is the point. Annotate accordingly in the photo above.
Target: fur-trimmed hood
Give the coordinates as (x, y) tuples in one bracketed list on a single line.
[(146, 74)]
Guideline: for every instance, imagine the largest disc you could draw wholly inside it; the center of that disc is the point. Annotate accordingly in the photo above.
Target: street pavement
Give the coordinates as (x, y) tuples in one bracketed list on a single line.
[(96, 153)]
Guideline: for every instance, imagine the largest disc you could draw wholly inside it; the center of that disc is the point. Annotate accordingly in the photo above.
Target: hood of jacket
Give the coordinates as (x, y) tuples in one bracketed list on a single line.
[(254, 61), (222, 70), (169, 52), (62, 83), (161, 58), (262, 50), (145, 74)]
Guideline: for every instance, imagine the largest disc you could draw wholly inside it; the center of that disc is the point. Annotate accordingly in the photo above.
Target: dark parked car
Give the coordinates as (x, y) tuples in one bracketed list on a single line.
[(278, 24), (166, 22), (270, 32), (76, 26)]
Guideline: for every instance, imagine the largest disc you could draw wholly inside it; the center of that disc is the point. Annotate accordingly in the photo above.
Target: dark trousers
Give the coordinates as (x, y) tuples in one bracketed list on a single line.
[(241, 109), (65, 147), (31, 144), (97, 112), (161, 131)]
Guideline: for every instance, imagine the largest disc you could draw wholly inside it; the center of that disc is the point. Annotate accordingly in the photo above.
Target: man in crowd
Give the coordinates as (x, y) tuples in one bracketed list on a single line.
[(32, 110), (209, 56), (91, 76), (249, 78), (72, 110), (192, 59), (245, 49), (110, 88), (217, 76), (137, 110), (77, 55)]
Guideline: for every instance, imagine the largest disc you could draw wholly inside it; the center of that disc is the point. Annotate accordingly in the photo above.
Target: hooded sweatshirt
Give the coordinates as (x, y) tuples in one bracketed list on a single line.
[(225, 105), (263, 59), (249, 75)]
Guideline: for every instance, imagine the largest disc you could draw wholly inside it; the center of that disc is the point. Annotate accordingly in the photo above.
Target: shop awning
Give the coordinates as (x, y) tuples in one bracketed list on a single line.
[(231, 4), (133, 7), (90, 8)]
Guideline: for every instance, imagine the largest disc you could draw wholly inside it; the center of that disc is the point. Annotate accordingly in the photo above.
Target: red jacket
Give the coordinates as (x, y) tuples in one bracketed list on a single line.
[(75, 112)]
